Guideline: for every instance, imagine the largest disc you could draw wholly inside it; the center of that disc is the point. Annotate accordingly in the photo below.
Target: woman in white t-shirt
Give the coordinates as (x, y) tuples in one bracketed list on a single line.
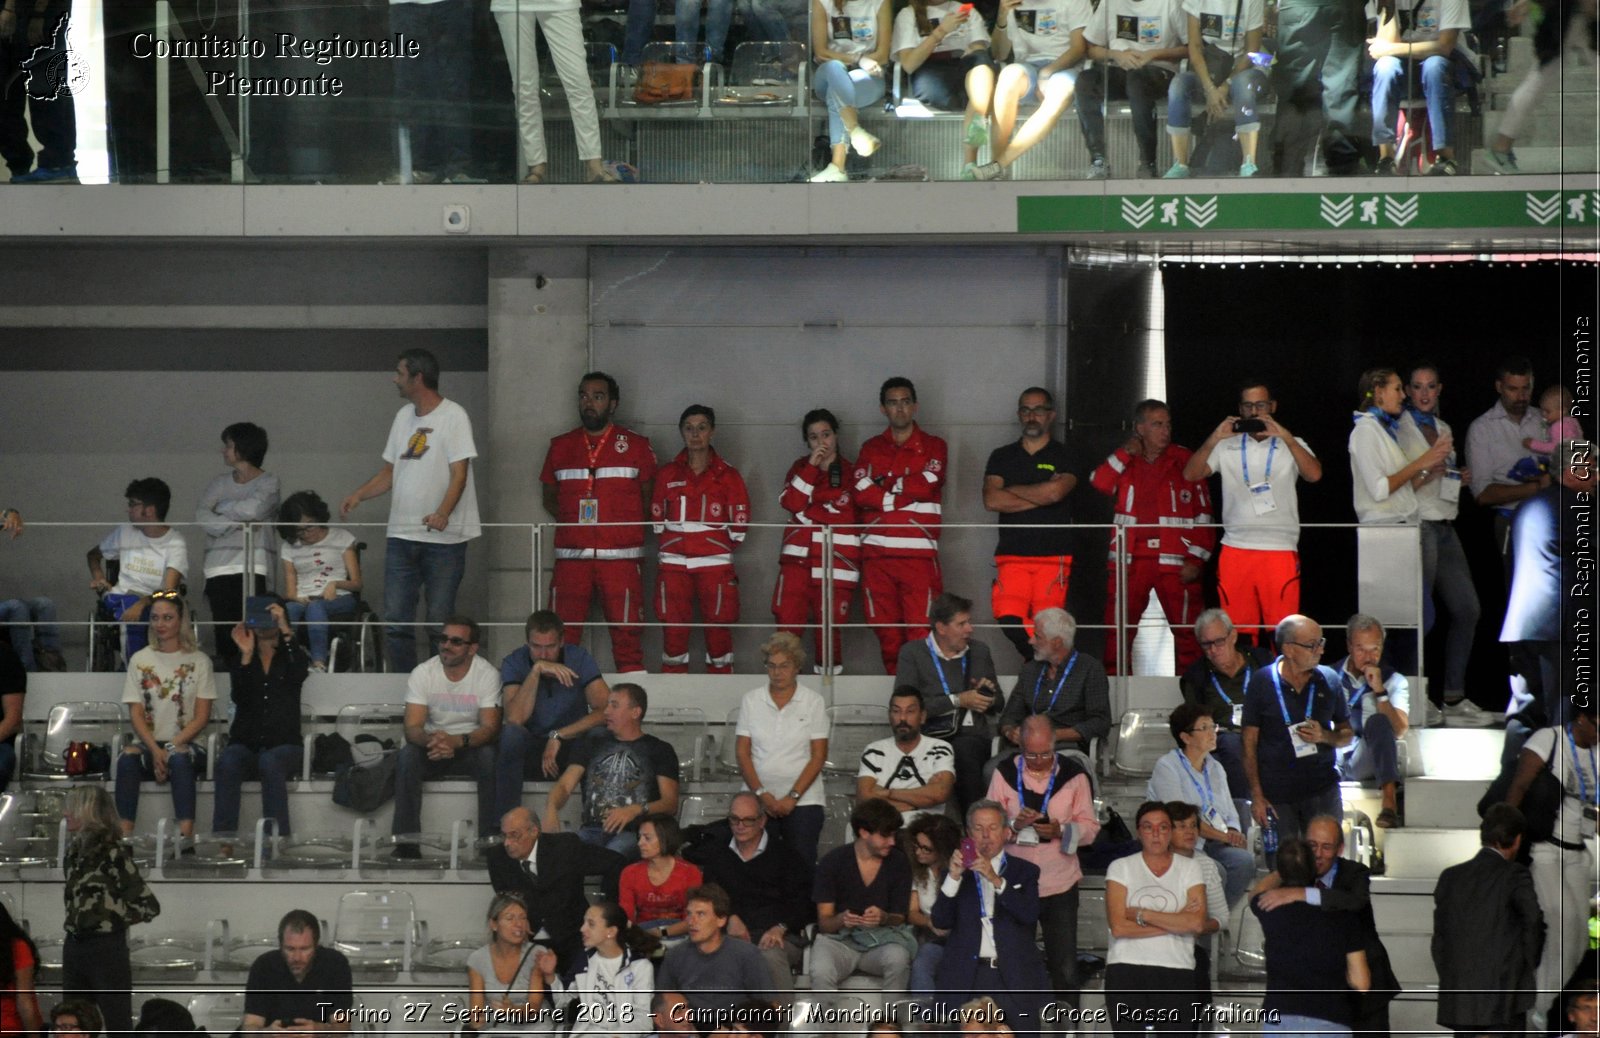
[(781, 744), (615, 981), (1155, 905), (850, 43), (169, 688), (1047, 50), (1222, 34), (321, 570), (944, 49), (505, 978)]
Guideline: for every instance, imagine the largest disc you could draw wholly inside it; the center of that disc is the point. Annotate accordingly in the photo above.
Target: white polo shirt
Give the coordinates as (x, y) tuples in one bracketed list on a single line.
[(780, 740)]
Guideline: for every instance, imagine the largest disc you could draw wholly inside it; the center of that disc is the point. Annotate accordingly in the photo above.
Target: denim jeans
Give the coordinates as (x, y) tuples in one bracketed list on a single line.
[(410, 568), (925, 968), (238, 764), (431, 90), (316, 615), (839, 87), (413, 766), (29, 619), (802, 830), (625, 843), (1447, 579), (686, 22), (1238, 868), (135, 636), (1292, 1024), (1244, 90), (1294, 815), (1374, 754), (1388, 83), (1144, 87), (182, 770)]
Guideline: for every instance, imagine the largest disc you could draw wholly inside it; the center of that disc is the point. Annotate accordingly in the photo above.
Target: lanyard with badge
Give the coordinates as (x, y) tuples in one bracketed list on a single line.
[(938, 668), (589, 507), (1208, 799), (1589, 806), (1301, 747), (1029, 837), (1260, 493), (983, 909), (1236, 709), (1358, 690), (1066, 672)]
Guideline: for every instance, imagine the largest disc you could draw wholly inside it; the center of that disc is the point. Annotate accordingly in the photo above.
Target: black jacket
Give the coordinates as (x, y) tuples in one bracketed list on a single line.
[(1488, 933), (555, 895)]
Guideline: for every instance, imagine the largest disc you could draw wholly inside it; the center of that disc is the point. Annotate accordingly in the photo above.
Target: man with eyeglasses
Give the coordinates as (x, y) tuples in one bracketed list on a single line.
[(151, 556), (1216, 684), (768, 885), (547, 871), (1294, 718), (1379, 698), (1168, 537), (899, 492), (452, 723), (76, 1016), (914, 772), (1049, 806), (1028, 482), (1260, 461)]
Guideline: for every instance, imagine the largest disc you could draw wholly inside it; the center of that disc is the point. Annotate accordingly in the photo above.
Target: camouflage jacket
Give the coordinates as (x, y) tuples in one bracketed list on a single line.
[(104, 891)]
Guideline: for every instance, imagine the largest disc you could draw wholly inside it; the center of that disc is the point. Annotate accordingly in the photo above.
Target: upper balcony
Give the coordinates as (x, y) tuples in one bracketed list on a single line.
[(429, 119)]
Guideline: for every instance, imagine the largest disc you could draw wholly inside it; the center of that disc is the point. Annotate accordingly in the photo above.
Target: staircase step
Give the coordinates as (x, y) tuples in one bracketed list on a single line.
[(1461, 753), (1538, 159), (1422, 853), (1443, 803)]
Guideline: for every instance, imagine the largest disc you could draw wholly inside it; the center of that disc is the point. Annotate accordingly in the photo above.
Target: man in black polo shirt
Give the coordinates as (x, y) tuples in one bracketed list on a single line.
[(1217, 681), (301, 986), (1027, 483)]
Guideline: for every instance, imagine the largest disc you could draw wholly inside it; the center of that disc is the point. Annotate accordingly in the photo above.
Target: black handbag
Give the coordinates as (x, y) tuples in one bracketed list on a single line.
[(1541, 805), (367, 786)]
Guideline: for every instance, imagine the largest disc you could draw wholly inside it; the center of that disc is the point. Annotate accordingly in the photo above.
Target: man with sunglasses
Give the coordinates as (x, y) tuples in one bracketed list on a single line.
[(1294, 719), (452, 723), (768, 884), (1028, 483), (1258, 568)]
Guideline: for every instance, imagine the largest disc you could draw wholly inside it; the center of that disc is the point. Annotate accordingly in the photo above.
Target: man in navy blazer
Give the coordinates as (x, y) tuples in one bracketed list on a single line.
[(991, 909)]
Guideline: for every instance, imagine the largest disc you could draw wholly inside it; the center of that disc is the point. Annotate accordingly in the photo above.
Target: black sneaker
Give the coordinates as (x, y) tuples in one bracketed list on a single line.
[(1147, 171), (406, 852), (1384, 168), (1443, 168)]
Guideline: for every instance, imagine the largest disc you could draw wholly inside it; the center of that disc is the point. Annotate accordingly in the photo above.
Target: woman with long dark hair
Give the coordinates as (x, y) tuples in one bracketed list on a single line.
[(19, 960), (105, 894), (321, 569), (929, 842), (614, 983)]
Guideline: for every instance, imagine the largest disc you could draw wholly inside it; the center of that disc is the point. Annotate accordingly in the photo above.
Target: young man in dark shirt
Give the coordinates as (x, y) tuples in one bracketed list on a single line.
[(863, 892), (300, 983)]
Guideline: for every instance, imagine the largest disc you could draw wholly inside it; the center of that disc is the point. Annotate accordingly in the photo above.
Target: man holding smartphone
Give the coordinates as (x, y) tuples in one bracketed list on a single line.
[(1258, 570)]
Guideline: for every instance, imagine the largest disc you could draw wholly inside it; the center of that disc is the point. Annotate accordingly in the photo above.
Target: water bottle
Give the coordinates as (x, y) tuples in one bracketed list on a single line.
[(1269, 835)]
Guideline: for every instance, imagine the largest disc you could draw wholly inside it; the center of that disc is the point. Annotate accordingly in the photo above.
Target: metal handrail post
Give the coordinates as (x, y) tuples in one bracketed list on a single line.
[(536, 565), (826, 620)]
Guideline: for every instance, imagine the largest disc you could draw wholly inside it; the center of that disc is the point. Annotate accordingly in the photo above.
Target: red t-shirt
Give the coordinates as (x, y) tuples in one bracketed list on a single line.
[(645, 903), (22, 958)]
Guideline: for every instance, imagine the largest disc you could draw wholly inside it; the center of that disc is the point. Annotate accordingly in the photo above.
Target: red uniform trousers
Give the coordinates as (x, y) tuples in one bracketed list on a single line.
[(1025, 584), (1181, 602), (1258, 588), (621, 586), (716, 589), (898, 593), (797, 601)]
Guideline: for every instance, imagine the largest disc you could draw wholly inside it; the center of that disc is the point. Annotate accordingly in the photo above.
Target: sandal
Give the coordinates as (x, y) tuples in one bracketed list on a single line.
[(605, 176), (535, 176)]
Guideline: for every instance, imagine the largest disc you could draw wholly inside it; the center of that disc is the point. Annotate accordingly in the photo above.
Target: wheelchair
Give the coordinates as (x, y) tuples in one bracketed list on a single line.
[(355, 645), (107, 634)]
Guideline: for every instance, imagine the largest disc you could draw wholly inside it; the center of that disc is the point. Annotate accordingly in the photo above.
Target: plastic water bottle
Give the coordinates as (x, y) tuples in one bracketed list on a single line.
[(1269, 835)]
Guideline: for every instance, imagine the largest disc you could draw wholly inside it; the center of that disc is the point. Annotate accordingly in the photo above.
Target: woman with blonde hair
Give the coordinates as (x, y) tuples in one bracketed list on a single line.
[(505, 978), (781, 743), (105, 894)]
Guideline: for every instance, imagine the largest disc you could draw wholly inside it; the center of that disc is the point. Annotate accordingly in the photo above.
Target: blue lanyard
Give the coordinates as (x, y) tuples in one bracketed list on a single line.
[(1038, 683), (1244, 457), (1360, 689), (1594, 765), (1217, 684), (1188, 770), (983, 913), (938, 665), (1049, 787), (1277, 686)]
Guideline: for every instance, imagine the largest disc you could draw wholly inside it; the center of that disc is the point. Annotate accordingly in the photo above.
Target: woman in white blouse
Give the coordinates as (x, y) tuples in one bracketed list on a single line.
[(1385, 479)]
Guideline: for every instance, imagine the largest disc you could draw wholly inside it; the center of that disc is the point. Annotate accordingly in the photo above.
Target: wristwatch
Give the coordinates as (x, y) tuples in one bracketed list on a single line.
[(794, 794), (555, 736), (1138, 917)]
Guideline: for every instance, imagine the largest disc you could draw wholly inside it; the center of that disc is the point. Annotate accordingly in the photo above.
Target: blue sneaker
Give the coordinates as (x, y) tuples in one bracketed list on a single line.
[(1249, 169), (1179, 171), (53, 175)]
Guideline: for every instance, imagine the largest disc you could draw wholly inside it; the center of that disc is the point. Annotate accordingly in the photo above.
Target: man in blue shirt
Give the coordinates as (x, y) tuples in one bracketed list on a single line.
[(552, 693)]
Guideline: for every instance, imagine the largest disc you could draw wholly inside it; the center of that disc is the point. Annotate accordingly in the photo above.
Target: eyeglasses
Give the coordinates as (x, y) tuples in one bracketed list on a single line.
[(1214, 643), (743, 820), (1201, 728), (1035, 412), (1311, 646), (452, 640), (1042, 755)]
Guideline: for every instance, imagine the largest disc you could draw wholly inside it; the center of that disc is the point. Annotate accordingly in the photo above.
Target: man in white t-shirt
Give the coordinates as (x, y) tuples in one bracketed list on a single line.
[(1258, 570), (914, 772), (151, 556), (433, 512), (1417, 30), (1136, 43), (452, 723)]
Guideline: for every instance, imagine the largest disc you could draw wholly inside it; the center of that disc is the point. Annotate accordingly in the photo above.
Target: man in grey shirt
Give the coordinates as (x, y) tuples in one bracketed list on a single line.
[(714, 973)]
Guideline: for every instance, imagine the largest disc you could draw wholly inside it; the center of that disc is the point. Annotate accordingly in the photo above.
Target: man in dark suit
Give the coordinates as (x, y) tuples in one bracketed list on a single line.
[(547, 872), (991, 908), (1343, 885), (1488, 902)]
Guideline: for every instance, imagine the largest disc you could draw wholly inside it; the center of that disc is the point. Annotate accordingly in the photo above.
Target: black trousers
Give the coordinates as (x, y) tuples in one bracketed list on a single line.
[(42, 91), (225, 600), (97, 968), (971, 752), (1149, 998), (1320, 49)]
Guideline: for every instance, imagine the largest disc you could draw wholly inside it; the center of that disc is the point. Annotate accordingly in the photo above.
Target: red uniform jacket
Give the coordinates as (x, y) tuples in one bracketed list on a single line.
[(609, 470), (813, 503), (898, 493), (699, 519), (1155, 493)]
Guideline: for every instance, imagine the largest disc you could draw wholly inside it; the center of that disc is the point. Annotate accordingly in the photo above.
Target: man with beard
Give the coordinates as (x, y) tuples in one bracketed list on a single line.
[(300, 987), (915, 773)]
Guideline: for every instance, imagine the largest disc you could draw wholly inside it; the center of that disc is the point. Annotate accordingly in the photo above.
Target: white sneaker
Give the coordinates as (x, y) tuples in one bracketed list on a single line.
[(863, 142), (1434, 718), (830, 174), (1466, 714)]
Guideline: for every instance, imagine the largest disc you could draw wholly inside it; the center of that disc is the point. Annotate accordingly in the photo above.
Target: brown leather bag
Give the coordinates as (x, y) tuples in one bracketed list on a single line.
[(662, 81)]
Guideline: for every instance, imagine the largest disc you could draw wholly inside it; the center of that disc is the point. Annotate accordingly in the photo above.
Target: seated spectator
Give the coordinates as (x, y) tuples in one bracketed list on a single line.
[(506, 977), (653, 891), (850, 44), (546, 871), (1221, 36), (1049, 804), (611, 987), (31, 625), (1192, 774), (1413, 30), (1555, 407), (1185, 836), (960, 692), (164, 1017), (943, 48), (1047, 52), (929, 840), (625, 776), (553, 694), (863, 891), (76, 1016), (1312, 956), (1217, 683), (151, 556), (451, 723), (301, 985), (713, 972), (264, 742), (13, 689), (321, 570), (1380, 701), (914, 773), (781, 744), (670, 1013), (1062, 683), (1582, 1012), (244, 494), (768, 887), (19, 963), (169, 689), (1136, 45)]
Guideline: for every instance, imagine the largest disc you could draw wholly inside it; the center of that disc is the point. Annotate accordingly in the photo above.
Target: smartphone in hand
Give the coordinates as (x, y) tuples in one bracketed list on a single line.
[(969, 852)]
